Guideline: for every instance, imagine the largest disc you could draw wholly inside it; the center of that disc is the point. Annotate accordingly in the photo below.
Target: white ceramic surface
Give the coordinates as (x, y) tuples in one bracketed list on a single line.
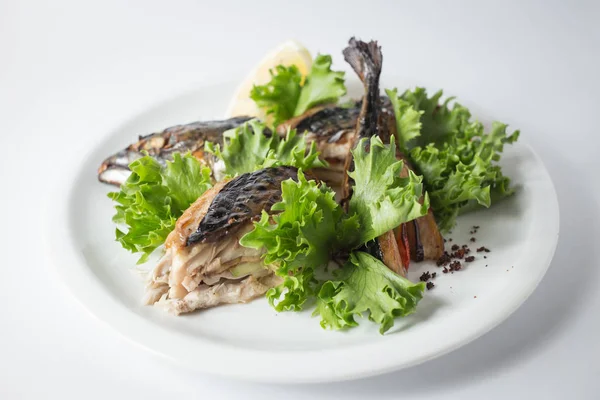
[(252, 341)]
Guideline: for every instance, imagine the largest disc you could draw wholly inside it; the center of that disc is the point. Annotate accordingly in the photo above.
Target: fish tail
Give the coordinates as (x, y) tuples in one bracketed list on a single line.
[(366, 60)]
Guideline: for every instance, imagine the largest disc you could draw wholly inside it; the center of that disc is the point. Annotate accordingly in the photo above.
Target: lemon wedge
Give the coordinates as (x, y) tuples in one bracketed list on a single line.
[(288, 53)]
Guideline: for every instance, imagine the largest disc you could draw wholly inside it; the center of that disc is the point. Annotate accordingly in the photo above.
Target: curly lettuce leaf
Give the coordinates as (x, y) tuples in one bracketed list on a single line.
[(439, 122), (381, 199), (299, 239), (153, 197), (322, 85), (454, 154), (286, 95), (366, 286), (461, 172), (279, 97), (251, 147), (408, 120)]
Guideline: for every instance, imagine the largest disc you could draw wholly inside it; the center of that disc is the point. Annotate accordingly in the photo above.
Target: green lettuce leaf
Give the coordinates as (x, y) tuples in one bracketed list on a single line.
[(251, 147), (439, 122), (286, 96), (366, 286), (408, 120), (322, 85), (381, 199), (299, 239), (153, 197), (279, 97), (455, 155)]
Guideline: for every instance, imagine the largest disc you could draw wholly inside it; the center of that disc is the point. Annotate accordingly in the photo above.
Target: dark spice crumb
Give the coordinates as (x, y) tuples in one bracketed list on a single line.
[(430, 285), (455, 247), (484, 256), (474, 297), (455, 266), (470, 259), (475, 226), (464, 246), (445, 270), (483, 248), (450, 239), (425, 277), (445, 240), (433, 275), (460, 253), (473, 239), (467, 250), (486, 265), (444, 259)]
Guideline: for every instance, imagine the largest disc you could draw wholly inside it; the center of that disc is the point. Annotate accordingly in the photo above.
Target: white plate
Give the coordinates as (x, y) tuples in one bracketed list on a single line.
[(253, 342)]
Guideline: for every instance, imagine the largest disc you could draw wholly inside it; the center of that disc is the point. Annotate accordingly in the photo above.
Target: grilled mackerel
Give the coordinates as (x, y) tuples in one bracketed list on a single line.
[(161, 145), (204, 264)]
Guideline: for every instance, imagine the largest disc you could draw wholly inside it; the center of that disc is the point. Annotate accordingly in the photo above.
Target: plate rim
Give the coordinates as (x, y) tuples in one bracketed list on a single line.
[(87, 290)]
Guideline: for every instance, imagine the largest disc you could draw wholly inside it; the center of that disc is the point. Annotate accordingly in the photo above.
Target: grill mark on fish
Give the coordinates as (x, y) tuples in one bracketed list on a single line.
[(161, 145), (329, 123), (240, 200)]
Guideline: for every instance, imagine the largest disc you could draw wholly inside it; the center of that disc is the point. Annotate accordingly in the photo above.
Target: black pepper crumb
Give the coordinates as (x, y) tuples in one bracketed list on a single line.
[(430, 285), (473, 239), (474, 297), (445, 270), (483, 248), (455, 247), (486, 265), (484, 256), (475, 226), (433, 275), (470, 259), (450, 239), (445, 240), (425, 277), (467, 250), (464, 246)]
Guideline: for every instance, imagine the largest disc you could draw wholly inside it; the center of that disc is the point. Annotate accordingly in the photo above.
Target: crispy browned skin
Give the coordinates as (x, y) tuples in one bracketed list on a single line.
[(424, 238), (392, 257), (161, 145), (240, 200)]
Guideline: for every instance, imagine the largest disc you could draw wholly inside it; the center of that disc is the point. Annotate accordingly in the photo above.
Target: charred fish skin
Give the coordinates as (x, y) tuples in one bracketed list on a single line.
[(366, 60), (241, 199), (161, 145)]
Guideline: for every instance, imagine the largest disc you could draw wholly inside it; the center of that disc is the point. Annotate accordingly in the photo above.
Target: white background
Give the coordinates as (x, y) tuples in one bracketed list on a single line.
[(71, 71)]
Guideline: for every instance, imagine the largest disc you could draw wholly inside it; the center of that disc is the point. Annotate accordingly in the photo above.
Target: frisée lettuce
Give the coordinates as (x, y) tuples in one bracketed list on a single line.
[(455, 155), (153, 197), (286, 96)]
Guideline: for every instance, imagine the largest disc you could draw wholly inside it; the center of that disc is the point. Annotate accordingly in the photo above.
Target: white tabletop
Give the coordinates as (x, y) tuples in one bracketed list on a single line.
[(71, 70)]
